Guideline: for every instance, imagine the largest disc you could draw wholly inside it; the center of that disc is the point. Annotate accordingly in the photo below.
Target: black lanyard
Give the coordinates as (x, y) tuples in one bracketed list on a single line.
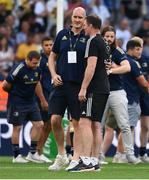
[(72, 47)]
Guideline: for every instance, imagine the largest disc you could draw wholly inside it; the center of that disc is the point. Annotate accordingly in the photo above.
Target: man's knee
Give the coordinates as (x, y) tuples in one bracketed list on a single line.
[(75, 124), (16, 129), (38, 125), (56, 121), (144, 128)]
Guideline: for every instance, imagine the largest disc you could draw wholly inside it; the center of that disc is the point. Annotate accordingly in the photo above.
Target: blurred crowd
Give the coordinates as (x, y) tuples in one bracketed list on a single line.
[(23, 23)]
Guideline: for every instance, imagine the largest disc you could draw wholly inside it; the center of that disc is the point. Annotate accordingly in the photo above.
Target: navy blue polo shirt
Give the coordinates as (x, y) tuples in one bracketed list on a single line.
[(45, 75), (70, 72), (131, 85), (115, 80), (144, 63), (24, 81)]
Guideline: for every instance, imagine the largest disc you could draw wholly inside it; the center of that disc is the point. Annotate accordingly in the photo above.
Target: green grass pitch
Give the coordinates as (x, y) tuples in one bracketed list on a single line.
[(8, 170)]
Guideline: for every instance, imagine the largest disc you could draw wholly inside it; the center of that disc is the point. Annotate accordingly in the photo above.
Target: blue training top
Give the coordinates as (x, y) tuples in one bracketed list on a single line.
[(131, 85), (24, 81), (115, 80), (45, 76), (70, 72)]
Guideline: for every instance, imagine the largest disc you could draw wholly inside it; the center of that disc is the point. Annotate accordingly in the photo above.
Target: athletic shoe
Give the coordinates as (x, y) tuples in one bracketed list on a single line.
[(95, 163), (116, 157), (102, 159), (144, 159), (72, 165), (132, 159), (45, 159), (59, 163), (81, 167), (120, 158), (19, 159), (34, 158), (97, 167), (69, 156)]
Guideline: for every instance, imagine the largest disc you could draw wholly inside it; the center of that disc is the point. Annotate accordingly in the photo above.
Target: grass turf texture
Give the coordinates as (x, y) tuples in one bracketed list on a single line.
[(8, 170)]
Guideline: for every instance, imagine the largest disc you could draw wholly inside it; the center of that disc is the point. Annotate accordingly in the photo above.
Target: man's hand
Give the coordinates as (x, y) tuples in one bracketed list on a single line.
[(108, 65), (44, 105), (82, 95), (57, 81)]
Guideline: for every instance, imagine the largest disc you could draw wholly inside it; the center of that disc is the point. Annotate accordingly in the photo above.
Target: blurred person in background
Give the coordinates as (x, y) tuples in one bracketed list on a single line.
[(6, 56), (113, 7), (143, 31), (123, 32), (41, 13), (21, 36), (101, 10), (24, 48), (3, 11), (133, 11), (51, 8)]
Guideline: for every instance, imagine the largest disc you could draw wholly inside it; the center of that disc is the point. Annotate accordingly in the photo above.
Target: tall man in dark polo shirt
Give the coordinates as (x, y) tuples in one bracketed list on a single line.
[(66, 64), (21, 84)]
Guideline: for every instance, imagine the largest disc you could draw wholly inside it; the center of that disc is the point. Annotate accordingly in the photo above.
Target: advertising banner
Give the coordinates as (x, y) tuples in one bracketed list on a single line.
[(50, 148)]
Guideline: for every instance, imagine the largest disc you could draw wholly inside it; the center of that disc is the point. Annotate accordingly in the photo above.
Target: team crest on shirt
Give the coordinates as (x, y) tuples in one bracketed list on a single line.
[(83, 40), (144, 64), (36, 74), (64, 38), (25, 77), (16, 114)]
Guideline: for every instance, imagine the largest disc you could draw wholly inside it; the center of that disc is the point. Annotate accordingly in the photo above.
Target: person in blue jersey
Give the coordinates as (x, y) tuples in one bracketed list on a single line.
[(93, 95), (133, 82), (117, 100), (144, 104), (66, 64), (45, 80), (21, 84)]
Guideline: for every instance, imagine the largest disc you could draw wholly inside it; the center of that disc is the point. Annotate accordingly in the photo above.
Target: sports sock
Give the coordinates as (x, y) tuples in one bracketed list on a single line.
[(68, 149), (142, 151), (15, 149), (33, 147), (86, 160)]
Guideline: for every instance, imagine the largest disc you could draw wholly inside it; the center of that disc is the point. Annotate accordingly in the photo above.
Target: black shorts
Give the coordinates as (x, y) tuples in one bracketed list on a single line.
[(94, 107), (45, 115), (16, 115), (65, 96), (144, 104)]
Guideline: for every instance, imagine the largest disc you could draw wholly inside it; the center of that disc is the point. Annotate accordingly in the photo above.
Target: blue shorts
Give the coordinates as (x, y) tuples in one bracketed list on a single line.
[(16, 115), (65, 96), (144, 104)]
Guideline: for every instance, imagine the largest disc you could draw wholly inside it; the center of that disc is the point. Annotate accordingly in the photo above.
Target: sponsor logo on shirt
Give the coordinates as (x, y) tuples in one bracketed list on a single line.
[(64, 38), (83, 40)]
